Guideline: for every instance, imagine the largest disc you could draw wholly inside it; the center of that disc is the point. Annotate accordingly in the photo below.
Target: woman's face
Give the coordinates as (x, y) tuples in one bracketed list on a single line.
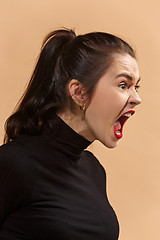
[(115, 95)]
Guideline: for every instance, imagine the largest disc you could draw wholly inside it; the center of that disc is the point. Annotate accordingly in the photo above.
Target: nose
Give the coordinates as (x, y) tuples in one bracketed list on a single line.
[(134, 98)]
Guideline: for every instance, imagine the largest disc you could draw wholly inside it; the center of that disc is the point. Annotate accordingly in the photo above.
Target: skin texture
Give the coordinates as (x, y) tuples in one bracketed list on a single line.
[(115, 94)]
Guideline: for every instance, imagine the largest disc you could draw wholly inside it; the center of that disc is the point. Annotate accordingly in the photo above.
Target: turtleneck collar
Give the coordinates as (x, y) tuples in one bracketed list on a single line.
[(66, 139)]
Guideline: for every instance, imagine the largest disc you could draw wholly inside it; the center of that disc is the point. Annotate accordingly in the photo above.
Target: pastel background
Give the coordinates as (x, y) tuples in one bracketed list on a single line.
[(133, 168)]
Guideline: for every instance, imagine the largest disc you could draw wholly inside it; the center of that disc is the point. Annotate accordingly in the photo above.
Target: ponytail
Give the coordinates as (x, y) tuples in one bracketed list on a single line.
[(42, 93), (63, 57)]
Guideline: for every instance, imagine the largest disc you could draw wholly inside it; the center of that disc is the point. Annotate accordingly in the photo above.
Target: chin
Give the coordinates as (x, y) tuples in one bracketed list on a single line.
[(109, 144)]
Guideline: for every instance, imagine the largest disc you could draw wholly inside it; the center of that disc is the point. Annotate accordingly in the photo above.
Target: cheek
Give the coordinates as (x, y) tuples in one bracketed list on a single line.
[(107, 105), (103, 110), (99, 114), (102, 101), (103, 105)]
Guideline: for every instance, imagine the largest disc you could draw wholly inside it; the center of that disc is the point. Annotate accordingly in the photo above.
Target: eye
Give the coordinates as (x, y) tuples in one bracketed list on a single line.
[(123, 85), (137, 87)]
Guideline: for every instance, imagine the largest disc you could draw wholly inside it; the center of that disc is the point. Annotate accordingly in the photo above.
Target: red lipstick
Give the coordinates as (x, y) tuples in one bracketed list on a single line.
[(118, 126)]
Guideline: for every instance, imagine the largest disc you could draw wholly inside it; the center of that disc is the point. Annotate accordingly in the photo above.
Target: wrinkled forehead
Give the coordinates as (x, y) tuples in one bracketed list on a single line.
[(126, 64)]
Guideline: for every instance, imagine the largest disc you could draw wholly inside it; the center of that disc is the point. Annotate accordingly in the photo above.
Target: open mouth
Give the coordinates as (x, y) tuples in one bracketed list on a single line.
[(118, 126)]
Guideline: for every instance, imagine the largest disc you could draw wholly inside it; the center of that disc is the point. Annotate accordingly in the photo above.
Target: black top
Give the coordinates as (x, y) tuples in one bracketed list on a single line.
[(50, 189)]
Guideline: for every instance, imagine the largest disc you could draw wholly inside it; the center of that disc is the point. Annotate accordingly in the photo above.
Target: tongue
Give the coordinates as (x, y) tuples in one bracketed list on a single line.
[(117, 126)]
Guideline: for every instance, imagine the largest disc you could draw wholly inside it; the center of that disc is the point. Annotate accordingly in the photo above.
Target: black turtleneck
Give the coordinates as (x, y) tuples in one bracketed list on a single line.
[(51, 189)]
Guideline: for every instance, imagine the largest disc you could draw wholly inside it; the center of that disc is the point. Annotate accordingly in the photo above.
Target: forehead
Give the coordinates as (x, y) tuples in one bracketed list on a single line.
[(125, 64)]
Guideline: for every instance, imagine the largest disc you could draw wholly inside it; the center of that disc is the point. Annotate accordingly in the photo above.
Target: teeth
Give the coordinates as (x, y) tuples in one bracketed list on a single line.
[(127, 114), (118, 132)]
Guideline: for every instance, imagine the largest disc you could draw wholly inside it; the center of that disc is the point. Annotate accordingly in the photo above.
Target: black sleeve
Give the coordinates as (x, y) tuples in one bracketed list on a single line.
[(15, 181)]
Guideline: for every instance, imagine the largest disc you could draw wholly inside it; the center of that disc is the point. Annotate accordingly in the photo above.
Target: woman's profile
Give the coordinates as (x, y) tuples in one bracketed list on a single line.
[(83, 88)]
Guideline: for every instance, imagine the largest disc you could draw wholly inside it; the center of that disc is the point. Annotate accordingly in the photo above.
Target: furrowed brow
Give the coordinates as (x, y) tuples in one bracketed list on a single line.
[(129, 77)]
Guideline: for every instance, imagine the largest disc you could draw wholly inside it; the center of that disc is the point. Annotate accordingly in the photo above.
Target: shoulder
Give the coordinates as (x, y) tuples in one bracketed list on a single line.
[(16, 167), (15, 156), (11, 147), (16, 177), (94, 162), (95, 170)]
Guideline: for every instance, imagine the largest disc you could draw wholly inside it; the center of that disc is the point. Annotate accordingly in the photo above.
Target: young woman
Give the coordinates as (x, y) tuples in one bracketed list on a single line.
[(83, 89)]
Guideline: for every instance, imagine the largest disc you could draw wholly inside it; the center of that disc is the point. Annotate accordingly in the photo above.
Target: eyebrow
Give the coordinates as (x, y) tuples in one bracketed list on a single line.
[(129, 77)]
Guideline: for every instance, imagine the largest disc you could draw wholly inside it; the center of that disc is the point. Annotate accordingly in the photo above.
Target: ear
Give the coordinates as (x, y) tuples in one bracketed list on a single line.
[(77, 92)]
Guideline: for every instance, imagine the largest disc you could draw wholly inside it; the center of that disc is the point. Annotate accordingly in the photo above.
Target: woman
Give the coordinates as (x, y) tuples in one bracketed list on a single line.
[(83, 89)]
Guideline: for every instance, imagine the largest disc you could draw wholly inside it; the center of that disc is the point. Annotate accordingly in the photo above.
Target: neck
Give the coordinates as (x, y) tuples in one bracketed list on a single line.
[(78, 123), (63, 138)]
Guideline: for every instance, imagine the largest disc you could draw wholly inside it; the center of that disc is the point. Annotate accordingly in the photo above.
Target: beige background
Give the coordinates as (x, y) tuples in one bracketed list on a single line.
[(133, 179)]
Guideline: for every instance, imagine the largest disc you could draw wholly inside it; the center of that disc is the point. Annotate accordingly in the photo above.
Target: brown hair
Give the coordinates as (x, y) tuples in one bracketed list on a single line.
[(64, 56)]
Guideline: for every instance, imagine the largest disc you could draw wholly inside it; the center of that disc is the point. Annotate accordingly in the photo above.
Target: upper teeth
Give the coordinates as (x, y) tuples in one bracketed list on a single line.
[(127, 114)]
